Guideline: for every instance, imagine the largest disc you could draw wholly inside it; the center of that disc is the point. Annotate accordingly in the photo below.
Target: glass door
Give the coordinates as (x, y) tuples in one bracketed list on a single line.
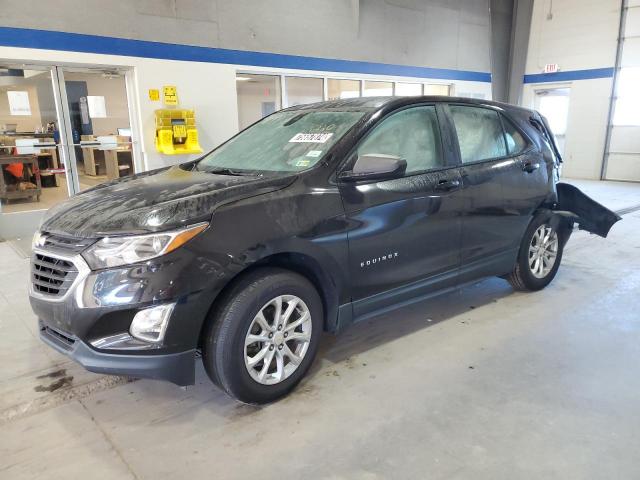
[(100, 128), (33, 159), (553, 103), (62, 130)]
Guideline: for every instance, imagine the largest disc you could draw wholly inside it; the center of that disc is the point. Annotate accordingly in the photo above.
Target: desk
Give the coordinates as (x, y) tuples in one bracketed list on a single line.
[(32, 160), (118, 160), (51, 153), (115, 161)]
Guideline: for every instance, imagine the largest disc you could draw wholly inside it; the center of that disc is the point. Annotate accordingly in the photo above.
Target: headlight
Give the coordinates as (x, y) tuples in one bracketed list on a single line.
[(117, 251), (38, 240)]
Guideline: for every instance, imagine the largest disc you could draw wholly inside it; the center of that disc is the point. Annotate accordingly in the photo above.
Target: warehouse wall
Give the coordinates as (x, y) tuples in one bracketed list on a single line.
[(581, 37), (431, 33)]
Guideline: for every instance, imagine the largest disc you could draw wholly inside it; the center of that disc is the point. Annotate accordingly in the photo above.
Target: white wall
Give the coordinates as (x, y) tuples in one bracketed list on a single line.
[(581, 35), (586, 125)]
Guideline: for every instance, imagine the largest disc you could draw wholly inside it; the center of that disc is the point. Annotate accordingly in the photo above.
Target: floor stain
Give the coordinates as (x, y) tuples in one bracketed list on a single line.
[(62, 382), (54, 374)]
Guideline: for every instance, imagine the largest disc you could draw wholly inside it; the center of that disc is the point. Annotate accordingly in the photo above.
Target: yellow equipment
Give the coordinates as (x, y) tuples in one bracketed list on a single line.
[(176, 132)]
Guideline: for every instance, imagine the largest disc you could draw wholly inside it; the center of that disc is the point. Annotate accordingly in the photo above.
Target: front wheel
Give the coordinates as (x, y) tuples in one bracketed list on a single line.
[(539, 256), (262, 338)]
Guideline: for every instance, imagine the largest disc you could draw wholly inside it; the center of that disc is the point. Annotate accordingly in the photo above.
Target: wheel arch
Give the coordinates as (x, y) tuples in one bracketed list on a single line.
[(299, 263), (562, 223)]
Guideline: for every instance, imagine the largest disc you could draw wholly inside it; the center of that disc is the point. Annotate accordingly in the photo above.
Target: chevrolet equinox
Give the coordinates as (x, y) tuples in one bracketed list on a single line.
[(316, 217)]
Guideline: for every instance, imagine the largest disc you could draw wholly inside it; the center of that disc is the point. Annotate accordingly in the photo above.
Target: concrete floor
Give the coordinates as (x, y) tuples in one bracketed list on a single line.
[(484, 383)]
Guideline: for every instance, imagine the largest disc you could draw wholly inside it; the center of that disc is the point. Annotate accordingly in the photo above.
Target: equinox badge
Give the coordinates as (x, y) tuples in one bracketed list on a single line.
[(383, 258)]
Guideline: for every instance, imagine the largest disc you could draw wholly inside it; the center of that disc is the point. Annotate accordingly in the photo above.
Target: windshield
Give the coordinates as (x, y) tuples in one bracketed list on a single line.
[(282, 142)]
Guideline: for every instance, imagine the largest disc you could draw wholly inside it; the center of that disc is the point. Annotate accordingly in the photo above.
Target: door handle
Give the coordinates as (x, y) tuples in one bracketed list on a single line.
[(447, 185), (530, 167)]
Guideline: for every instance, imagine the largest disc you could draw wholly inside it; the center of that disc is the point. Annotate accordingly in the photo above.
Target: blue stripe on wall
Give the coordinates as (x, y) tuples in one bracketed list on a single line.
[(75, 42), (569, 75)]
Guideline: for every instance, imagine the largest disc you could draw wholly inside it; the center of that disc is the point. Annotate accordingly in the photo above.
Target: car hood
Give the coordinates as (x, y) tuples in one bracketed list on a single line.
[(153, 201)]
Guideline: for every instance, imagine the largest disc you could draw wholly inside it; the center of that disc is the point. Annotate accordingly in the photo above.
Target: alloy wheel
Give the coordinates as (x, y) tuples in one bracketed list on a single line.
[(277, 339), (543, 251)]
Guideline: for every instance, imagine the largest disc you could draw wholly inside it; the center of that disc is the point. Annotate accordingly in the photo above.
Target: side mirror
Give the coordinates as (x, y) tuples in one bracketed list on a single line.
[(375, 166)]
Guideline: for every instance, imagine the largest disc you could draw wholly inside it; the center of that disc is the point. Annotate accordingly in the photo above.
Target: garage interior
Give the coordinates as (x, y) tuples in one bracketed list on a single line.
[(483, 382)]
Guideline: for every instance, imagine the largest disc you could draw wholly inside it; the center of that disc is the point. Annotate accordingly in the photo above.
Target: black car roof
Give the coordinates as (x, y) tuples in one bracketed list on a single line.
[(375, 103)]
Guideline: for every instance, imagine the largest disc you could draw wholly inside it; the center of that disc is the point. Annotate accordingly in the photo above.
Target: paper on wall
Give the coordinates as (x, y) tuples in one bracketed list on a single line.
[(19, 102), (97, 106)]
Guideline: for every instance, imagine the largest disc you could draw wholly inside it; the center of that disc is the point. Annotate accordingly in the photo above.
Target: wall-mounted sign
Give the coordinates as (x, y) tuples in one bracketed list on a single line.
[(170, 94), (551, 68), (19, 102), (154, 94)]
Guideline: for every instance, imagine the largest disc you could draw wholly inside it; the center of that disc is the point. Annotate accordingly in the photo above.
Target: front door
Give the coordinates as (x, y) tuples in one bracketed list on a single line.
[(405, 232)]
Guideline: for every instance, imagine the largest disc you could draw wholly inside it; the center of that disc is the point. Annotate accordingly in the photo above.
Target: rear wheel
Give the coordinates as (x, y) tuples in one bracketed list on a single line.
[(262, 338), (539, 256)]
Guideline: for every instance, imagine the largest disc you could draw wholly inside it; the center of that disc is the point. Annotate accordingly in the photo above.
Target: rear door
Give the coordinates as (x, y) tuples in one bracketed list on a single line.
[(404, 234), (530, 181), (488, 243)]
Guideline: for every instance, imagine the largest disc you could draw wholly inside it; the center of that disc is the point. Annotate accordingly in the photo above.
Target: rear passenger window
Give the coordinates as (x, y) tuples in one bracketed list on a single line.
[(515, 141), (410, 134), (479, 133)]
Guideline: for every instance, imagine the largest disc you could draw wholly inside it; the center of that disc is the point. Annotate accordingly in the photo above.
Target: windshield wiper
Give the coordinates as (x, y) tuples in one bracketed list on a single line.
[(230, 171)]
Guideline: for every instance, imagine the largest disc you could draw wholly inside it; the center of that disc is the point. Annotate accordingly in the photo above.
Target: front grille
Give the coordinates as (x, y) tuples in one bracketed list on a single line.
[(65, 244), (52, 276), (61, 338)]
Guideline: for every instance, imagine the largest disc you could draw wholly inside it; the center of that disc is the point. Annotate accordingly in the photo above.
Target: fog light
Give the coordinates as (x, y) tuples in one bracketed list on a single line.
[(150, 324)]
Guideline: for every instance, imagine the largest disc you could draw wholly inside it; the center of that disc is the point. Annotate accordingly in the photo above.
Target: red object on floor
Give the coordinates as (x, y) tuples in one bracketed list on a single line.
[(15, 169)]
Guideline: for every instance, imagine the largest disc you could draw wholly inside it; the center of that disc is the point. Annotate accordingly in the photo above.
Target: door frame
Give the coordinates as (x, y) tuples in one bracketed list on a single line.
[(132, 111), (67, 153), (538, 93)]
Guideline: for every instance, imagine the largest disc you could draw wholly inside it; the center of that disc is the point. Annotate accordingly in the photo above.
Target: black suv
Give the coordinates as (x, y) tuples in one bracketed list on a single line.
[(315, 217)]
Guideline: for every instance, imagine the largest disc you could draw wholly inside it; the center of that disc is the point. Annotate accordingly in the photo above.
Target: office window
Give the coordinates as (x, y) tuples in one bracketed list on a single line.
[(378, 89), (436, 89), (408, 89), (301, 90), (338, 89), (479, 133), (410, 134), (258, 96)]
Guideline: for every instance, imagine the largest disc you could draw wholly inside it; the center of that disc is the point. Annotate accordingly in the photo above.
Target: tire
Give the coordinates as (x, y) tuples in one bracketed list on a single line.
[(227, 359), (526, 277)]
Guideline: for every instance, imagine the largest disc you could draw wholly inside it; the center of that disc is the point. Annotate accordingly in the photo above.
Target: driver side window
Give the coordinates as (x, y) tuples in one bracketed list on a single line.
[(411, 134)]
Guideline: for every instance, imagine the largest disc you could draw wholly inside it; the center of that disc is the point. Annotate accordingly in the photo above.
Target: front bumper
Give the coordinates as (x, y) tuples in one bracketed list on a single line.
[(90, 320), (177, 368)]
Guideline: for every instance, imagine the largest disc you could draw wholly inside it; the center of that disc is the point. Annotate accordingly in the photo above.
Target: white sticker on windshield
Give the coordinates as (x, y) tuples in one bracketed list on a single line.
[(311, 137), (314, 153)]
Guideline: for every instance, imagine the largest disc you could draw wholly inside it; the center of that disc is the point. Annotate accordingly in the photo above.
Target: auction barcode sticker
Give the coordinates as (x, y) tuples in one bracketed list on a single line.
[(311, 137)]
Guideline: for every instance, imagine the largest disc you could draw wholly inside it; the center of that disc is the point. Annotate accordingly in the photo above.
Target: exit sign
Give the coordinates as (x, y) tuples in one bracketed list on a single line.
[(551, 68)]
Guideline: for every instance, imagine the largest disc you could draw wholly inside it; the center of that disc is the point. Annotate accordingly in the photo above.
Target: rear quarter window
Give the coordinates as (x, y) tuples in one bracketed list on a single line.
[(516, 143)]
